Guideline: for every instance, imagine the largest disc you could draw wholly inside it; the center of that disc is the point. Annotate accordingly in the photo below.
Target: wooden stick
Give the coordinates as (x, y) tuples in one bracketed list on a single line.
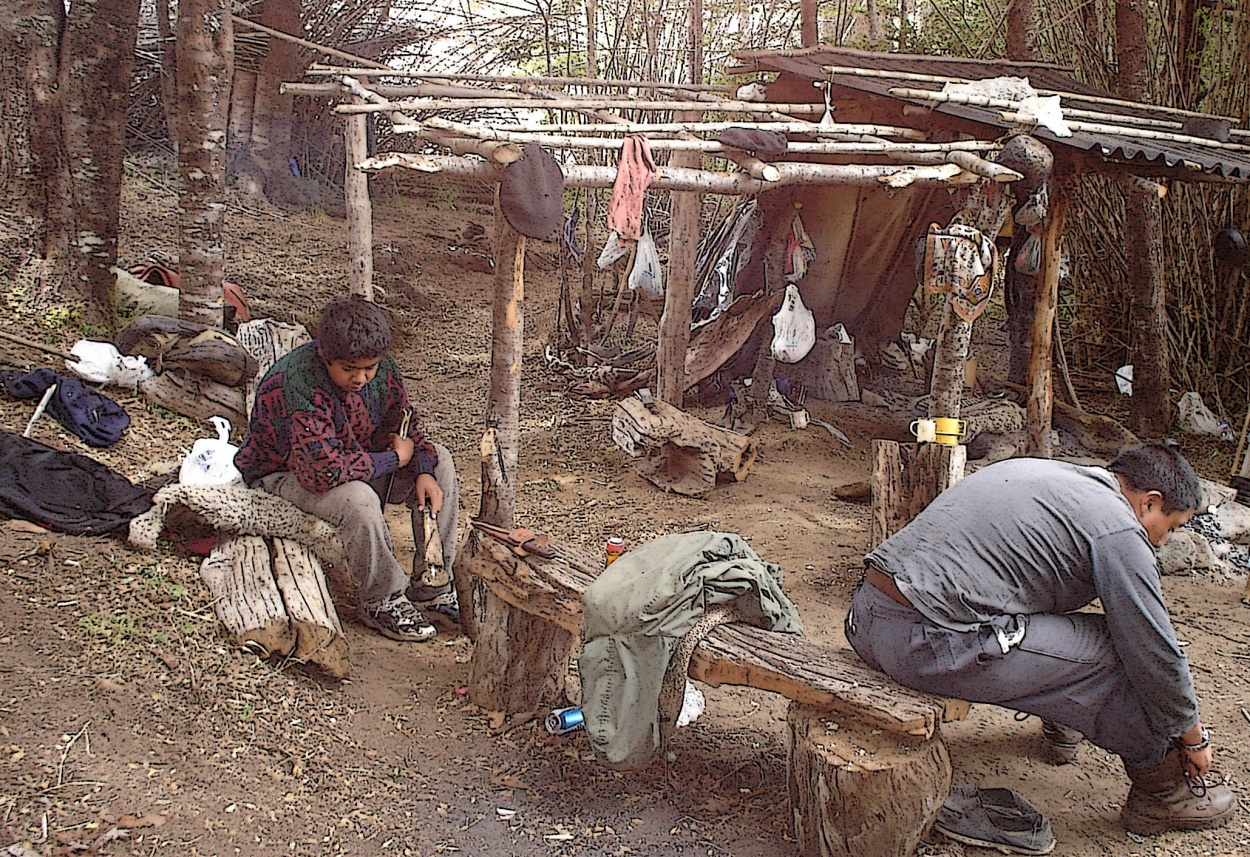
[(39, 346), (578, 103), (319, 70), (1140, 133), (39, 409), (1074, 96), (704, 181), (278, 34)]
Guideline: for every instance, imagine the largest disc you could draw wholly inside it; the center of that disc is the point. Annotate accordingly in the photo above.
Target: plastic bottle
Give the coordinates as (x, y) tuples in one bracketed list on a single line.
[(613, 550)]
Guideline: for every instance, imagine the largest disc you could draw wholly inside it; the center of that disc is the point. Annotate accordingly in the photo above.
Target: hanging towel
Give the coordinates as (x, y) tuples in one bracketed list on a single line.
[(800, 251), (960, 261), (634, 173)]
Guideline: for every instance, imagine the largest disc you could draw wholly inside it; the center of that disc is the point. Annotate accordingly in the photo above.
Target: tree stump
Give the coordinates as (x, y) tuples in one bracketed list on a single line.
[(861, 792), (828, 371), (520, 660), (679, 452), (905, 478), (246, 599), (319, 638)]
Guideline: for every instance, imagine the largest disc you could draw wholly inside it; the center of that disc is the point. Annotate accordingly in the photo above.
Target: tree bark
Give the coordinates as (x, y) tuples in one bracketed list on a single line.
[(1041, 396), (504, 402), (905, 478), (271, 108), (205, 63), (359, 209), (1143, 231)]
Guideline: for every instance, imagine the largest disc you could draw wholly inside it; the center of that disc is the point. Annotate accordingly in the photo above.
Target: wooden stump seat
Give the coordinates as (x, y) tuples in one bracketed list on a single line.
[(868, 770)]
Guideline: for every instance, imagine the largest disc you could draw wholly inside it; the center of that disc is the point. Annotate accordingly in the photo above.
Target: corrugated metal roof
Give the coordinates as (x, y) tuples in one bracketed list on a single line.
[(883, 72)]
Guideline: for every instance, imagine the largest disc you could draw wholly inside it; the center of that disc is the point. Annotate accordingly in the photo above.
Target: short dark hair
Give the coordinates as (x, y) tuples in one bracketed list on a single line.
[(1160, 467), (353, 328)]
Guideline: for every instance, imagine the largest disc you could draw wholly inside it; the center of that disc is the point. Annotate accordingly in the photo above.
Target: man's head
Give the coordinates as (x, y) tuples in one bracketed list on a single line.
[(352, 336), (1160, 485)]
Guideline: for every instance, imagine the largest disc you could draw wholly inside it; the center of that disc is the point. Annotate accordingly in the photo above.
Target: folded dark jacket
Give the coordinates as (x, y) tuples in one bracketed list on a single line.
[(91, 415)]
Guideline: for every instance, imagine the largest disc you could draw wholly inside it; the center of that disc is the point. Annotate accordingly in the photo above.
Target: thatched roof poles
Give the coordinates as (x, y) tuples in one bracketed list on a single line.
[(675, 178), (318, 70), (490, 101)]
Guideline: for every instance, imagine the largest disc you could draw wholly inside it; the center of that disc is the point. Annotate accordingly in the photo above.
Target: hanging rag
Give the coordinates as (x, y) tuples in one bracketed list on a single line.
[(91, 415), (800, 251), (65, 491), (959, 261), (634, 173)]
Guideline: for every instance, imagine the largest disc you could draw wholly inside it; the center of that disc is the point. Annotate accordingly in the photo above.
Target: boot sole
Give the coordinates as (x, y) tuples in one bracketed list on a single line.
[(1146, 826)]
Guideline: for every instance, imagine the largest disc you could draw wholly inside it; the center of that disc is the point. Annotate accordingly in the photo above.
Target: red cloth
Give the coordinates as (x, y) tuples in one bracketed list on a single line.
[(634, 173)]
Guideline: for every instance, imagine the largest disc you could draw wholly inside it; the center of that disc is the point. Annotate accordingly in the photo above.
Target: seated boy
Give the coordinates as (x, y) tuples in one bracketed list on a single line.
[(325, 434)]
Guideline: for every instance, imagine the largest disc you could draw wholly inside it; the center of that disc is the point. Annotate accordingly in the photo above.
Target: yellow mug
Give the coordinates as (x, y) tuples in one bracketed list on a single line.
[(945, 430)]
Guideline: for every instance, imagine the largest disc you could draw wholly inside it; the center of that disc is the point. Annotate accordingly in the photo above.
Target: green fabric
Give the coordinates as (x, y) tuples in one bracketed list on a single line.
[(637, 611)]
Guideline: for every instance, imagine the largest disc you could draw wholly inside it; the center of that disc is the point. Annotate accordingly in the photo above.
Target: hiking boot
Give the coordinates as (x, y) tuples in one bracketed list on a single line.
[(1062, 741), (398, 618), (1163, 798), (994, 818)]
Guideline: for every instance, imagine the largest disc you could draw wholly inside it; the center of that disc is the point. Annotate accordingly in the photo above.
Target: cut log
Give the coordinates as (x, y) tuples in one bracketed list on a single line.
[(245, 596), (195, 396), (521, 661), (859, 792), (679, 452), (319, 638), (905, 478), (828, 371)]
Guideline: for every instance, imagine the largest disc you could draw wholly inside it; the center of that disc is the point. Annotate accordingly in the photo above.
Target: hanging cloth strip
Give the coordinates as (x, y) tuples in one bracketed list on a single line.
[(634, 173), (800, 251), (959, 261)]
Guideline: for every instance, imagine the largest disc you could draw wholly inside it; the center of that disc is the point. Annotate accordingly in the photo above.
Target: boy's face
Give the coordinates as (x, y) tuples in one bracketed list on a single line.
[(352, 374)]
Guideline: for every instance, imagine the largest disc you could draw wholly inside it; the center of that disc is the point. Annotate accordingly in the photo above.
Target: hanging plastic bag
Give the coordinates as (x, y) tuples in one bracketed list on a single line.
[(614, 248), (794, 328), (1029, 256), (646, 274), (211, 460)]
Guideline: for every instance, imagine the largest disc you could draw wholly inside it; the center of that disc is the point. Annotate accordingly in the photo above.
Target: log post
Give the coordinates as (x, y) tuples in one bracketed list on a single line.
[(674, 333), (195, 396), (905, 478), (856, 791), (359, 208), (1041, 395), (504, 403)]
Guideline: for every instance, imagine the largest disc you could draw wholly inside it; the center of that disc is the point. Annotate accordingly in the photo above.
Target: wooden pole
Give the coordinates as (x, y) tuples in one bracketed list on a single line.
[(1041, 395), (674, 332), (359, 209), (504, 405)]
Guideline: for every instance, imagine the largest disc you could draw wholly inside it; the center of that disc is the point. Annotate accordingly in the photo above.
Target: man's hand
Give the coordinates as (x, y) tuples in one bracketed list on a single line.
[(1197, 762), (428, 493), (404, 447)]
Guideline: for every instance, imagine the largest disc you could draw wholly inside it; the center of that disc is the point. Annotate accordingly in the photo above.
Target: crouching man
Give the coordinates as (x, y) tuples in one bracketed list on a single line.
[(976, 599), (328, 432)]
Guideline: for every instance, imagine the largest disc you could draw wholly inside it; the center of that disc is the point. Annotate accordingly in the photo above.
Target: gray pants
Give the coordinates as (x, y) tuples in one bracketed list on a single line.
[(355, 509), (1064, 669)]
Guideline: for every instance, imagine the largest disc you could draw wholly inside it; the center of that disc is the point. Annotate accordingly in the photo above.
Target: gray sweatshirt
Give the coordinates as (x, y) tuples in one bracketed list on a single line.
[(1031, 535)]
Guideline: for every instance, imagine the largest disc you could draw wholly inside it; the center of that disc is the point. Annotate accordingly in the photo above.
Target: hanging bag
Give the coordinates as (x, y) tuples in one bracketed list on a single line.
[(794, 328)]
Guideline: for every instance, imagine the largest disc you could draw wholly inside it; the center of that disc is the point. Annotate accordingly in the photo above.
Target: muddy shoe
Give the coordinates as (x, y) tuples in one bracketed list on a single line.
[(1062, 742), (399, 619), (994, 818), (443, 605)]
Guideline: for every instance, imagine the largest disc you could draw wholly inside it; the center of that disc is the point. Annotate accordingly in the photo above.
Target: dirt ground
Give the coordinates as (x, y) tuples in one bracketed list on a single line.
[(128, 725)]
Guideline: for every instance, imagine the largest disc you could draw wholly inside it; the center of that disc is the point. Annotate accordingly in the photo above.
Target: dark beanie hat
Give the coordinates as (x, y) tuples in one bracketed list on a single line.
[(531, 193)]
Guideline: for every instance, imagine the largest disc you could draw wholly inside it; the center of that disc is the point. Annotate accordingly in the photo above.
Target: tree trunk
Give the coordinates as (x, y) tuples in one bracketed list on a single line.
[(359, 209), (504, 404), (205, 61), (169, 71), (1149, 414), (272, 111), (30, 149)]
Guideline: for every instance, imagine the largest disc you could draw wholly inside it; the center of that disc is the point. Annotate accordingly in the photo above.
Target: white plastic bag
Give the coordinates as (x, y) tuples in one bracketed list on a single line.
[(211, 460), (646, 273), (102, 363), (614, 248), (794, 328), (693, 703)]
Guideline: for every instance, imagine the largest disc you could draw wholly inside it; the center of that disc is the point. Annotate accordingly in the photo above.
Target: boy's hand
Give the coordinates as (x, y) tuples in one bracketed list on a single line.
[(404, 447), (428, 493)]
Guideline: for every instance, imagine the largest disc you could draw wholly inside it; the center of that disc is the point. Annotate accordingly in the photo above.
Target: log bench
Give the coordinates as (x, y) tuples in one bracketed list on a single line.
[(867, 767)]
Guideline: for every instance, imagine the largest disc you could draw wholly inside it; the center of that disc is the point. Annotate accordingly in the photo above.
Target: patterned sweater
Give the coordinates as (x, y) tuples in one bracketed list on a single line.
[(305, 424)]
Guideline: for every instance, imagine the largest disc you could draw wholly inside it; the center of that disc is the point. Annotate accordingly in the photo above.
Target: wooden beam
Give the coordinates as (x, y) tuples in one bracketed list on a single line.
[(583, 103), (1041, 395), (359, 209), (319, 70)]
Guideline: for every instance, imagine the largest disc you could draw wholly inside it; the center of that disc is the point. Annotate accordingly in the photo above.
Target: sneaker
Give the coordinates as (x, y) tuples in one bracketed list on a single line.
[(445, 605), (994, 818), (399, 619), (1062, 740)]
